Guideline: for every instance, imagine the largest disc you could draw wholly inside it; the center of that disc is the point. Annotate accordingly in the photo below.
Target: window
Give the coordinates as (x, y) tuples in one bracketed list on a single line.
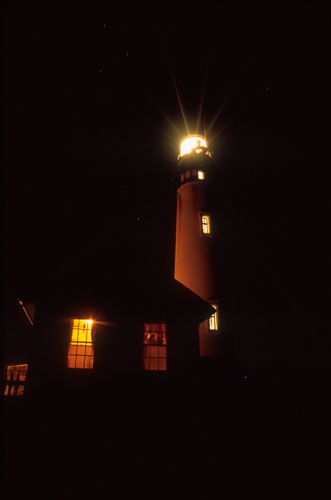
[(15, 378), (81, 347), (155, 346), (205, 224), (201, 175), (213, 320)]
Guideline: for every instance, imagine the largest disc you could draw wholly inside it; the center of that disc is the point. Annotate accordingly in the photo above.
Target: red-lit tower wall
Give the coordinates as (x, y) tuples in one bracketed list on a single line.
[(195, 234)]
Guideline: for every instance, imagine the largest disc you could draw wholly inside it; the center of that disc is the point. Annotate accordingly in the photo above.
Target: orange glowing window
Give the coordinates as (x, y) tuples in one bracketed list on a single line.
[(155, 346), (205, 224), (81, 347), (213, 320), (15, 377), (201, 175)]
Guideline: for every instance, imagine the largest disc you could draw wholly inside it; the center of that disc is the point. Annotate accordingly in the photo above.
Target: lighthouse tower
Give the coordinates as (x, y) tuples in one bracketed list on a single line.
[(195, 234)]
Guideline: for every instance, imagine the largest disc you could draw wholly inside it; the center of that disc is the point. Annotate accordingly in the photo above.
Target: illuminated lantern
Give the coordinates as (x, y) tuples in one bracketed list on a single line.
[(195, 225)]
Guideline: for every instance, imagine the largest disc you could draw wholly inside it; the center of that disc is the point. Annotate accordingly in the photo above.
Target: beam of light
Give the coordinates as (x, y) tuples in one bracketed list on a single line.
[(176, 90), (224, 127), (202, 98), (218, 112), (166, 117), (200, 107)]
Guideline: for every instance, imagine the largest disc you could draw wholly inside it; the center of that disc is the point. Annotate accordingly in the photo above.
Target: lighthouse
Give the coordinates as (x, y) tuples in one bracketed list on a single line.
[(195, 234)]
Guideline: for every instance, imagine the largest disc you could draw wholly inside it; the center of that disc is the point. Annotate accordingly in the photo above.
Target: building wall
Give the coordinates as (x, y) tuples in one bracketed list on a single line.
[(194, 261)]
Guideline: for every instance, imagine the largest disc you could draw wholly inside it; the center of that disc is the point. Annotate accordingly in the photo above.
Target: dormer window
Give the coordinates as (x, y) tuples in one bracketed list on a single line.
[(205, 224), (81, 347)]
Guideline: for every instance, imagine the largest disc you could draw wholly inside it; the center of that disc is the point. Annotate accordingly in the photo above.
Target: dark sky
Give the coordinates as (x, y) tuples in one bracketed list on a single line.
[(92, 124)]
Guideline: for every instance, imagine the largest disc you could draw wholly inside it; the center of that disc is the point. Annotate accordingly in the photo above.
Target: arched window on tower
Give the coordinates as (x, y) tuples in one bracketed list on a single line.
[(205, 224)]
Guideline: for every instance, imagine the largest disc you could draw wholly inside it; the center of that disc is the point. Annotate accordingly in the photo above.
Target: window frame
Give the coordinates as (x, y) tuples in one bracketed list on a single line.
[(16, 376), (214, 318), (205, 215), (80, 349), (155, 363)]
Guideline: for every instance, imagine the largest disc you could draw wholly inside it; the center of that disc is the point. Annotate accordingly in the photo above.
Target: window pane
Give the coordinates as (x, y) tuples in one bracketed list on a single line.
[(162, 339), (147, 337), (80, 362), (162, 352), (74, 335), (147, 364), (71, 361), (154, 351), (162, 364), (81, 350), (82, 335), (154, 338), (82, 324), (20, 390), (89, 362), (147, 351), (153, 364), (72, 349), (89, 350)]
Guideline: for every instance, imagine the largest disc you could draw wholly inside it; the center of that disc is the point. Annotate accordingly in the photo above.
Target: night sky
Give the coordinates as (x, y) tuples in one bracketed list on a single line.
[(91, 130)]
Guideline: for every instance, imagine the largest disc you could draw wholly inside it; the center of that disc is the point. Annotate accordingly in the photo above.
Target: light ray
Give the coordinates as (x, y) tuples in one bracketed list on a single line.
[(176, 90), (224, 127), (171, 123), (200, 107), (202, 98), (210, 126)]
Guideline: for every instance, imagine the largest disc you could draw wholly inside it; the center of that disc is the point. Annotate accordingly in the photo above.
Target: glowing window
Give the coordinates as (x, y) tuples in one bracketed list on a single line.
[(81, 347), (205, 224), (201, 175), (15, 377), (213, 320), (155, 346)]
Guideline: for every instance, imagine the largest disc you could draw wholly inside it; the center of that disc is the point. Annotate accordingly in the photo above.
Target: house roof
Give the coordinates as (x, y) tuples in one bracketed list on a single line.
[(111, 291)]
